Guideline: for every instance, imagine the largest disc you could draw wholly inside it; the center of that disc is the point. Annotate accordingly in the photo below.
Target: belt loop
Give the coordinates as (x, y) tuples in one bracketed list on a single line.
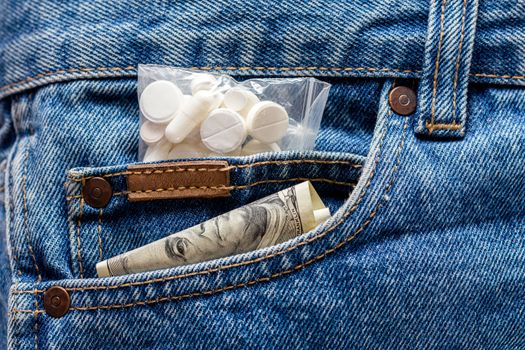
[(448, 53)]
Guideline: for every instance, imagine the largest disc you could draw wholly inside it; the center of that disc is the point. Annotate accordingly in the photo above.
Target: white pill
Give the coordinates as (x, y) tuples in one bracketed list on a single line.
[(160, 101), (194, 136), (255, 146), (223, 131), (321, 215), (190, 116), (202, 81), (240, 100), (267, 122), (188, 150), (151, 133), (158, 151)]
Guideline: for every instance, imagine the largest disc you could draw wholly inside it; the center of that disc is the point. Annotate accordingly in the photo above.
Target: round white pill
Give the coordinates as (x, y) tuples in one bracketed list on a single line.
[(267, 121), (255, 146), (188, 150), (202, 81), (160, 101), (223, 131), (151, 133), (239, 99)]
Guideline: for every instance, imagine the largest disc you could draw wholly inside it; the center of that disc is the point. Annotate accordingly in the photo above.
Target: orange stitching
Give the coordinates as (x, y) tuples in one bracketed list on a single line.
[(451, 126), (99, 232), (496, 76), (335, 69), (224, 187), (438, 57), (26, 219), (79, 222), (243, 263), (227, 168), (275, 275), (458, 59), (78, 196), (216, 68)]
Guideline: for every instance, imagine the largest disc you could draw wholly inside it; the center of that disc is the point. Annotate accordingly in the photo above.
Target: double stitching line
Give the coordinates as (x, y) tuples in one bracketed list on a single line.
[(221, 169), (224, 187), (79, 223), (263, 279), (430, 126), (458, 60), (131, 69)]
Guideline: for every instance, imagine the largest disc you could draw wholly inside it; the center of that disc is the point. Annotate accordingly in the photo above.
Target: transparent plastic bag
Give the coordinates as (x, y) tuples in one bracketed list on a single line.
[(192, 114)]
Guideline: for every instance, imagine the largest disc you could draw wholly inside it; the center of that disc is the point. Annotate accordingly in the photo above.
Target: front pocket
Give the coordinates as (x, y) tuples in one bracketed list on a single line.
[(100, 233)]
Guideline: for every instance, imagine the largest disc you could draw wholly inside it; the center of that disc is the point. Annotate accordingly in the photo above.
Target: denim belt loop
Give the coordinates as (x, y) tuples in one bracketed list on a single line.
[(443, 86)]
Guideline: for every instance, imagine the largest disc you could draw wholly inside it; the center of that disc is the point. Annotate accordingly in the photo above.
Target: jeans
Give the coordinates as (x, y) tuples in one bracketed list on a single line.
[(426, 246)]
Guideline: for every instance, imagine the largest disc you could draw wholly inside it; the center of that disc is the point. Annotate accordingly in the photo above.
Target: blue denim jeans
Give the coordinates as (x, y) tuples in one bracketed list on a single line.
[(426, 247)]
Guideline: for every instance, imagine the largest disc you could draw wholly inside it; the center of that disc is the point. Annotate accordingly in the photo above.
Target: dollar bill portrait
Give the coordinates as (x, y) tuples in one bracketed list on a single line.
[(263, 223)]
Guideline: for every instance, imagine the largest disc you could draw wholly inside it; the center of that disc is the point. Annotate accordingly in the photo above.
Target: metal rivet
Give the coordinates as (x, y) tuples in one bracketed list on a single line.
[(56, 301), (402, 100), (97, 192)]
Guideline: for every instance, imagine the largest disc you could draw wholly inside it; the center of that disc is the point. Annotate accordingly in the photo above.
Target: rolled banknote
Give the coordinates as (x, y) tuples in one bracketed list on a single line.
[(265, 222)]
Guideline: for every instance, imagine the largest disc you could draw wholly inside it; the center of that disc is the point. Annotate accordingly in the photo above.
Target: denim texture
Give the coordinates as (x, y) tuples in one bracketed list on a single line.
[(426, 245)]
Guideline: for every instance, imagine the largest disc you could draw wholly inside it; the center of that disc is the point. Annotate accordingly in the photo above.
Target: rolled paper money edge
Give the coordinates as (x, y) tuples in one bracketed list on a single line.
[(102, 269), (308, 201), (309, 205)]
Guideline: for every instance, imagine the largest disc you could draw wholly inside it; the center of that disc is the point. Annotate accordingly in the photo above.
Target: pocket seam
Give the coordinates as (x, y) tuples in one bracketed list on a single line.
[(237, 187), (249, 262), (228, 168), (252, 282)]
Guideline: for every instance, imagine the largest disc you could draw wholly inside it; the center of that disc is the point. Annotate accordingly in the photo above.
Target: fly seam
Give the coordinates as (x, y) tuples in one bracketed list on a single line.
[(26, 215), (79, 223), (99, 233)]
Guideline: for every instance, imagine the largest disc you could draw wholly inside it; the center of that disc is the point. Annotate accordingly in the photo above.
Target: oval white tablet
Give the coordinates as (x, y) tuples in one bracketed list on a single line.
[(267, 121), (188, 150), (160, 101), (239, 99), (191, 114), (255, 146), (202, 81), (151, 133), (223, 131)]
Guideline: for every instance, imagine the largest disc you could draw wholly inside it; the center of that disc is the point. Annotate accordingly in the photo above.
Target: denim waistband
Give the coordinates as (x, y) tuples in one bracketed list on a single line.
[(48, 41)]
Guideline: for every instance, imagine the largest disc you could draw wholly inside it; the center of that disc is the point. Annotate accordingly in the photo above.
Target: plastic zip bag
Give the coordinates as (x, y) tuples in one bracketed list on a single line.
[(192, 114)]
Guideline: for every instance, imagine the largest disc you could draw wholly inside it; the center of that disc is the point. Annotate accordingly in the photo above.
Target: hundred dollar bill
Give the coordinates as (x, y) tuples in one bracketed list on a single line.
[(265, 222)]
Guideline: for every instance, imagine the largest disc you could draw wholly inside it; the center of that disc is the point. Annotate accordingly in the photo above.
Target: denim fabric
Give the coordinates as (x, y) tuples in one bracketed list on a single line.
[(426, 245)]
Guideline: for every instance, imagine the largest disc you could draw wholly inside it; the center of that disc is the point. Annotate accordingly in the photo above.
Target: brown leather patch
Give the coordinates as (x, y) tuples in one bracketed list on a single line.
[(202, 179)]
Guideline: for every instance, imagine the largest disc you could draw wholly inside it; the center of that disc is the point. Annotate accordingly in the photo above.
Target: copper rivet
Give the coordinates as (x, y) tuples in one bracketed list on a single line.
[(97, 192), (402, 100), (56, 301)]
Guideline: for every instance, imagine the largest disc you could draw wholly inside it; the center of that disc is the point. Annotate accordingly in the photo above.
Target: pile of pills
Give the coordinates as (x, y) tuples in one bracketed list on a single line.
[(209, 122)]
